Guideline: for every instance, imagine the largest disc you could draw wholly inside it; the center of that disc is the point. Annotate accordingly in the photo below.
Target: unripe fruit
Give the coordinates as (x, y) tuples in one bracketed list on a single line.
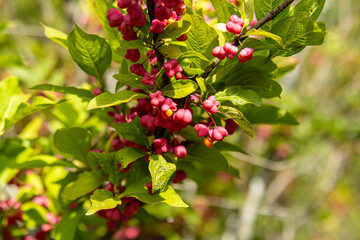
[(245, 55), (208, 143)]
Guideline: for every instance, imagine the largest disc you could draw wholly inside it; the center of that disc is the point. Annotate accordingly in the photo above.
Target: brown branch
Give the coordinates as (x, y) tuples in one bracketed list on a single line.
[(160, 58), (270, 16)]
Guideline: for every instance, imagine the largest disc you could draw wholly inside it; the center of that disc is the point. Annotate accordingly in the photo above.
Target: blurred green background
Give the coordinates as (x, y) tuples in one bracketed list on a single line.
[(299, 182)]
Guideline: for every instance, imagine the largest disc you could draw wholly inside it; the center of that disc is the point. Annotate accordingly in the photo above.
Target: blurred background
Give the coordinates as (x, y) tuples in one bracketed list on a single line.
[(298, 182)]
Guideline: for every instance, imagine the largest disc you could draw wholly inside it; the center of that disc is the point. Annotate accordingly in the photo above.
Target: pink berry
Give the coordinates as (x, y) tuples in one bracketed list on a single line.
[(219, 52), (218, 133), (183, 115), (148, 122), (161, 145), (149, 187), (114, 17), (124, 3), (131, 208), (201, 129), (231, 126), (168, 104), (230, 50), (133, 55), (162, 12), (137, 69), (179, 176), (96, 91), (172, 67), (156, 98), (245, 55), (211, 104), (235, 24), (157, 26), (148, 79), (180, 151)]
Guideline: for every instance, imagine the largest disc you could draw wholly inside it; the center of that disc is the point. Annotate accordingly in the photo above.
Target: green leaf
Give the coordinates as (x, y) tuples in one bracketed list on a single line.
[(56, 36), (107, 99), (180, 88), (314, 7), (101, 8), (171, 51), (91, 52), (224, 9), (67, 226), (210, 157), (139, 191), (263, 7), (202, 85), (73, 142), (259, 45), (108, 165), (132, 131), (23, 110), (225, 146), (238, 96), (191, 54), (102, 199), (268, 114), (193, 71), (84, 184), (40, 161), (201, 37), (263, 33), (238, 117), (83, 93), (299, 31), (132, 81), (175, 29), (161, 172), (11, 97), (134, 44), (128, 155)]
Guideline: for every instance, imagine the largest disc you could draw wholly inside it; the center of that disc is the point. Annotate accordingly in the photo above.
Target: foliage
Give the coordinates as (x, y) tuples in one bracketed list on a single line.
[(90, 151)]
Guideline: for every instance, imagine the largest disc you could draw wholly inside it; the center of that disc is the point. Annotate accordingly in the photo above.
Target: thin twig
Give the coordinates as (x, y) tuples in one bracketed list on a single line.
[(160, 58), (270, 16)]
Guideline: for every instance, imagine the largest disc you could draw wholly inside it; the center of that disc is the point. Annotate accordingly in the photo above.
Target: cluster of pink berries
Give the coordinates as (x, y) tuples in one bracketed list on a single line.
[(166, 12), (234, 25)]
